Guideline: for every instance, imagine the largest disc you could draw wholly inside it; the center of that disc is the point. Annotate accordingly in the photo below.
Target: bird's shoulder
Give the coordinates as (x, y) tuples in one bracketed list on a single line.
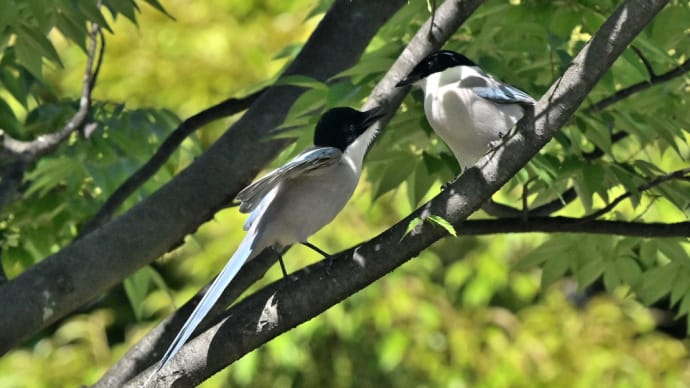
[(304, 163)]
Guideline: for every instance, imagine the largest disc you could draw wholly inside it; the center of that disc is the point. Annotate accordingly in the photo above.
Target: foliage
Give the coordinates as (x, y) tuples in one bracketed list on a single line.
[(439, 321)]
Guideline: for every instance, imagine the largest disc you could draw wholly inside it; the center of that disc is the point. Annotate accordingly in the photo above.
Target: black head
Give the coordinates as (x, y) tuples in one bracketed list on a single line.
[(339, 127), (434, 63)]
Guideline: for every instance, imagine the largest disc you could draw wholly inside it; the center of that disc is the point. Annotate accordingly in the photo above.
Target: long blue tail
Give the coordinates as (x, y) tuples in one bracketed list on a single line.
[(243, 253)]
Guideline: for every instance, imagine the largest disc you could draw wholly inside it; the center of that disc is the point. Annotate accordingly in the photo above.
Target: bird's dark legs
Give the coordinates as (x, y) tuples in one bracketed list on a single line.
[(315, 248), (282, 265), (306, 244)]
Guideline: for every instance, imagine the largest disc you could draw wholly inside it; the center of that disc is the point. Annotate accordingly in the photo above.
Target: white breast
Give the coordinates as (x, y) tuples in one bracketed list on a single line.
[(306, 204), (466, 122)]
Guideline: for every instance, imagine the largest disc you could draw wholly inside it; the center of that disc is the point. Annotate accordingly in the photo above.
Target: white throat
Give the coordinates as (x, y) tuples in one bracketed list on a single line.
[(358, 148)]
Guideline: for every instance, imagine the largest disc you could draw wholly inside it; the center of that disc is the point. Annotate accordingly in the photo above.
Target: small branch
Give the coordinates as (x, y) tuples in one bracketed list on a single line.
[(43, 144), (645, 61), (573, 225), (22, 153), (224, 109), (678, 174), (639, 87), (3, 275)]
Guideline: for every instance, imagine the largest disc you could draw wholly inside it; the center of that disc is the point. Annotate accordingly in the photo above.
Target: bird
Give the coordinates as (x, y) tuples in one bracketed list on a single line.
[(469, 109), (294, 201)]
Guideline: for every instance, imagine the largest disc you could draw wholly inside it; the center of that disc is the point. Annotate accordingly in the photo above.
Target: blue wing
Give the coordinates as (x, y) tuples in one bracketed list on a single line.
[(251, 196), (503, 94)]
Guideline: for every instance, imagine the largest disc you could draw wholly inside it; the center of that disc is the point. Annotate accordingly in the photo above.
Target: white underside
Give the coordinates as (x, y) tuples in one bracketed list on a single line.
[(466, 122), (305, 204)]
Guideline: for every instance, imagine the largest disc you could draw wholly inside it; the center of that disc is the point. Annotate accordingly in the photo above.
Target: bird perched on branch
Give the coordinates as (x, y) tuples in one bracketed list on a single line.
[(294, 201), (468, 108)]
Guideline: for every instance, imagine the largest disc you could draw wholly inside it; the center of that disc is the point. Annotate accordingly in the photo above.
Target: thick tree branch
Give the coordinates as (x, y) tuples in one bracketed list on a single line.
[(101, 259), (223, 109), (385, 93), (287, 303), (678, 174)]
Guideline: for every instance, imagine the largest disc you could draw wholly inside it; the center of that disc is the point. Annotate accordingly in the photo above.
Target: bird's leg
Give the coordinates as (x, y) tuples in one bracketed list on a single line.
[(494, 144), (280, 260), (315, 248)]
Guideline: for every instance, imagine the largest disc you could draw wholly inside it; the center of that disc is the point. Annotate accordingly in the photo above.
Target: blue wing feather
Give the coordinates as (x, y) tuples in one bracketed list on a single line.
[(504, 94)]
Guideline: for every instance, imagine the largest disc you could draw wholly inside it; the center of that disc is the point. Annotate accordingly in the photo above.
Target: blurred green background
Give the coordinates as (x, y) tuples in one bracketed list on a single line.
[(435, 322)]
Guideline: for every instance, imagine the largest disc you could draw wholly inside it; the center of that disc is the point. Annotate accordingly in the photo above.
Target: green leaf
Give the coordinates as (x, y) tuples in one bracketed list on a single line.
[(38, 42), (588, 273), (673, 250), (410, 227), (680, 288), (136, 288), (303, 81), (611, 278), (554, 269), (388, 174), (127, 8), (8, 121), (657, 282), (419, 184), (648, 253), (549, 250), (442, 222), (157, 5), (93, 13), (628, 270), (71, 30)]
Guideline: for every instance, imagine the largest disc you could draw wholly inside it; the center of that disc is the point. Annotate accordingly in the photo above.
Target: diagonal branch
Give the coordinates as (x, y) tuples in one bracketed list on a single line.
[(446, 21), (78, 273), (221, 110), (502, 210), (678, 174), (314, 289)]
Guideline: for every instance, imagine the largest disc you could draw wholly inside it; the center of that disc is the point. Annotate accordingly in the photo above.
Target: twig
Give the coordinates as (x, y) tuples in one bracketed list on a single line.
[(639, 87), (573, 225), (645, 61), (678, 174), (22, 153), (223, 109)]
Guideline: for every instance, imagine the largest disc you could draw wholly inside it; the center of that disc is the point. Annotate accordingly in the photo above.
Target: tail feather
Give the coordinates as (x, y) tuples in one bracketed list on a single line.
[(243, 253)]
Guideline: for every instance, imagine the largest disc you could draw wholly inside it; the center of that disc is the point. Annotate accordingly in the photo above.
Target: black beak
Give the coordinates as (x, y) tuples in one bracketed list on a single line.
[(409, 80), (372, 115)]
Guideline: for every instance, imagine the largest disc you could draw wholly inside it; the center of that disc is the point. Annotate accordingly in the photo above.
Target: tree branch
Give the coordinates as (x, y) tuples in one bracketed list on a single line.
[(502, 210), (28, 151), (223, 109), (678, 174), (88, 267), (149, 350), (573, 225), (640, 86), (309, 292), (22, 153)]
